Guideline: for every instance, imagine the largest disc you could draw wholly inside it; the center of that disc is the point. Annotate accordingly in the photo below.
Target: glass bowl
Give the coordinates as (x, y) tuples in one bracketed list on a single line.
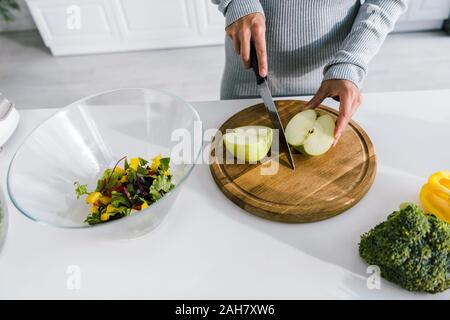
[(3, 219), (79, 142)]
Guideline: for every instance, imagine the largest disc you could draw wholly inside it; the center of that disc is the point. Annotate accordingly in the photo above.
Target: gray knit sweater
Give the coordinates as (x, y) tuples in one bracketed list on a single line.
[(309, 41)]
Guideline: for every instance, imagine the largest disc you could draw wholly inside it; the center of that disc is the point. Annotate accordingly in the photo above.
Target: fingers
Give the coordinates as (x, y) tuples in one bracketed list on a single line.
[(245, 38), (251, 27), (259, 36), (236, 44), (346, 93), (357, 103), (345, 114), (321, 95)]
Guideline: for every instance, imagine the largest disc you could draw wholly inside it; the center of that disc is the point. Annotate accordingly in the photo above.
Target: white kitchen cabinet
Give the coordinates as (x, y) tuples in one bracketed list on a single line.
[(211, 22), (89, 26), (147, 24), (123, 25), (154, 22)]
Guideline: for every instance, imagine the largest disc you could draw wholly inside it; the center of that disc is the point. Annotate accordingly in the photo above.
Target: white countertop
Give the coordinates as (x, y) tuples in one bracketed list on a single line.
[(208, 248)]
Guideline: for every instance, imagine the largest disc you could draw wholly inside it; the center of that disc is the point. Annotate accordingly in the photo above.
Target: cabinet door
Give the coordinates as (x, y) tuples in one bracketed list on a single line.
[(156, 23), (65, 23), (122, 25), (210, 19)]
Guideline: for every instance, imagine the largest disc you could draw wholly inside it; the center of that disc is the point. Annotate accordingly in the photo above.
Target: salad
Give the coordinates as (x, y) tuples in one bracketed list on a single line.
[(121, 190)]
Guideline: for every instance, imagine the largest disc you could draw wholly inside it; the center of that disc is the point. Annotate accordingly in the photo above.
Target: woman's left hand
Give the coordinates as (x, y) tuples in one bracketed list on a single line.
[(344, 91)]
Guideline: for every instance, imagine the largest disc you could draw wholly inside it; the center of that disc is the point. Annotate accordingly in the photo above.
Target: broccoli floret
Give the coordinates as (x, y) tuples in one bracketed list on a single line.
[(412, 250)]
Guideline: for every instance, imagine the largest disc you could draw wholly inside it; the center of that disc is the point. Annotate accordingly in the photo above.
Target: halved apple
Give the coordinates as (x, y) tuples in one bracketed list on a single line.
[(249, 143), (310, 133)]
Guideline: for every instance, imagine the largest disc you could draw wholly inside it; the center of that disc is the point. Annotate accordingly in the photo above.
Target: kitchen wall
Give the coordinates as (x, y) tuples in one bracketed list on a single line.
[(23, 20)]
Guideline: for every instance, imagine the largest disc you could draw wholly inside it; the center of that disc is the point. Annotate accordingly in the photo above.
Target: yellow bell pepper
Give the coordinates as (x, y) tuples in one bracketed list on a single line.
[(144, 205), (435, 195), (93, 197), (111, 209), (105, 216), (134, 163), (119, 170), (93, 209), (441, 181), (105, 200), (155, 162)]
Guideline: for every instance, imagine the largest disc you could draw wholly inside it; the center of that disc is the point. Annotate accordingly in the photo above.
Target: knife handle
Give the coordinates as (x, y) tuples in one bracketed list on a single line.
[(254, 63)]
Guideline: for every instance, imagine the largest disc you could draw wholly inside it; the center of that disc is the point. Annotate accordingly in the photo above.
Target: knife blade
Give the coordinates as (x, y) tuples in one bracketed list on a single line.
[(264, 92)]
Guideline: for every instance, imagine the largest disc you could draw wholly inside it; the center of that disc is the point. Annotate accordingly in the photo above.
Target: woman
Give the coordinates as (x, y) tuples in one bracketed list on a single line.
[(319, 47)]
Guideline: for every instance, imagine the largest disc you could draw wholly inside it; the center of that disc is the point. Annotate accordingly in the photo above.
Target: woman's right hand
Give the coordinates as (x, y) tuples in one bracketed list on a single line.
[(251, 27)]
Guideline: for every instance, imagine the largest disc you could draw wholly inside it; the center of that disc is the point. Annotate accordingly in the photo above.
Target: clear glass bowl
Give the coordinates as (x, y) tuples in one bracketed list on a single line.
[(79, 142), (3, 219)]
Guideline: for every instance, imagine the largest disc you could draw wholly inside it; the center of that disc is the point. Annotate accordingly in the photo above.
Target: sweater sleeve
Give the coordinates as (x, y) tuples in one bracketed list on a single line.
[(235, 9), (375, 19)]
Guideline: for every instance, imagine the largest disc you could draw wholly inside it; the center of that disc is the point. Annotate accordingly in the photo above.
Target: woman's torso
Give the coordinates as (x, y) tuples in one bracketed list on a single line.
[(302, 36)]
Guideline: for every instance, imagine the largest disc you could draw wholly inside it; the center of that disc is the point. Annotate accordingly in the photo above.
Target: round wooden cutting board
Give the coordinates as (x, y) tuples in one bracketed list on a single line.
[(319, 188)]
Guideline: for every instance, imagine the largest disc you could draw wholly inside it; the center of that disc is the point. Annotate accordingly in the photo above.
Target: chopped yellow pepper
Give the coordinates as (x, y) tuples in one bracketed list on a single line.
[(134, 163), (119, 170), (93, 197), (105, 200), (93, 209), (435, 195), (144, 205), (105, 216), (155, 162), (110, 208)]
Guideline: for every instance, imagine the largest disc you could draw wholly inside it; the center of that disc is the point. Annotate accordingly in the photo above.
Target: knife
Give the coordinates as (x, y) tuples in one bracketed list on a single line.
[(266, 96)]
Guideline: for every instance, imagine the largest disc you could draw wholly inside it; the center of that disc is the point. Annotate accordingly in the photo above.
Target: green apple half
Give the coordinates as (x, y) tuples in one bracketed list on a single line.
[(310, 133), (249, 143)]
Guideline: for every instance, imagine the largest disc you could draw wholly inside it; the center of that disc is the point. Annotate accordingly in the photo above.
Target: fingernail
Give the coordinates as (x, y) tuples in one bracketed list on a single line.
[(263, 72)]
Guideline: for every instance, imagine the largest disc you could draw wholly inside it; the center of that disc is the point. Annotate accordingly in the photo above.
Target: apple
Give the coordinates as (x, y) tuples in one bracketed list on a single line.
[(249, 143), (311, 133)]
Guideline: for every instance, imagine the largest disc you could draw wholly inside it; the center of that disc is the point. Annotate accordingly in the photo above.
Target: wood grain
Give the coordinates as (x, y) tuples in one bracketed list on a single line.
[(319, 188)]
